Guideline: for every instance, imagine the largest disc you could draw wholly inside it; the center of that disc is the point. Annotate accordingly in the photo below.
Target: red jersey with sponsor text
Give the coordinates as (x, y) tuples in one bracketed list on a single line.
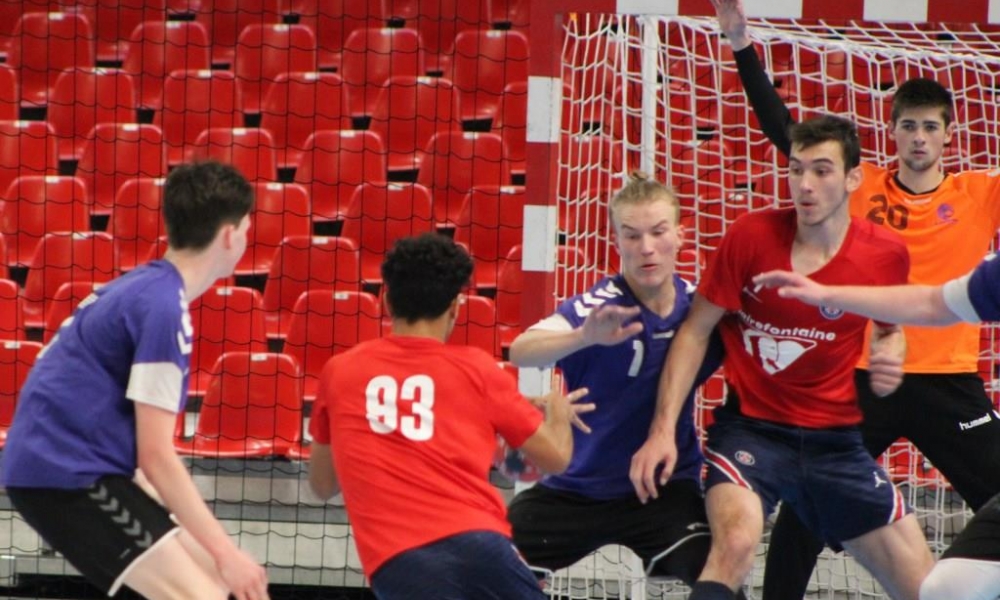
[(789, 362), (412, 426)]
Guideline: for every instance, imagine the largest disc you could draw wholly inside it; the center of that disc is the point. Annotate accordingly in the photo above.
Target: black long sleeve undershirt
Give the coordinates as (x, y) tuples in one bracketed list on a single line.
[(773, 115)]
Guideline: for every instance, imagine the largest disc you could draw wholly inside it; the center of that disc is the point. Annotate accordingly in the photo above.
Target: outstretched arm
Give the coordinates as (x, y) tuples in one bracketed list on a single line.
[(770, 109), (906, 304), (683, 362), (605, 326)]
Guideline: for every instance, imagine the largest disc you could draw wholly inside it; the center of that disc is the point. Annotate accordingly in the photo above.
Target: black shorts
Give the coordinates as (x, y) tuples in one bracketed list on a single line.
[(949, 418), (980, 540), (554, 529), (101, 530)]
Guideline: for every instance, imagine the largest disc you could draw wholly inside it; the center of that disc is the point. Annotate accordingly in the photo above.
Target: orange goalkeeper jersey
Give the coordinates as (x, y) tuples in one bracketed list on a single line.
[(947, 231)]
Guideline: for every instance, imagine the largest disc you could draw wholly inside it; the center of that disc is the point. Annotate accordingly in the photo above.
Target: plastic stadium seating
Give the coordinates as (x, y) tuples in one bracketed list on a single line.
[(67, 297), (485, 63), (371, 57), (137, 220), (16, 359), (456, 161), (157, 48), (11, 311), (114, 154), (34, 206), (476, 325), (333, 21), (380, 214), (226, 19), (438, 23), (114, 20), (249, 149), (62, 257), (280, 210), (489, 224), (87, 96), (298, 104), (305, 263), (326, 323), (408, 112), (42, 45), (266, 50), (10, 94), (252, 408), (194, 101), (334, 164), (26, 148), (225, 319)]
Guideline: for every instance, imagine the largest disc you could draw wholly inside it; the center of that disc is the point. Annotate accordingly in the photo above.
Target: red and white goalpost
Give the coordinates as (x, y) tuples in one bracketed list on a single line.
[(618, 86)]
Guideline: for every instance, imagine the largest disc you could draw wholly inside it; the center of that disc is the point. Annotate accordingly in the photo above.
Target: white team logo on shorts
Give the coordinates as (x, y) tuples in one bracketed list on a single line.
[(745, 458)]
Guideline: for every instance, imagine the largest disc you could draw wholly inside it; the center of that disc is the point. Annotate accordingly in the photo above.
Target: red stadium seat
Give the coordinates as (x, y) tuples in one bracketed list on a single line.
[(65, 301), (476, 325), (326, 323), (297, 105), (371, 57), (16, 359), (114, 154), (252, 408), (409, 111), (454, 162), (305, 263), (511, 124), (11, 311), (438, 23), (194, 101), (10, 94), (266, 50), (226, 19), (249, 149), (157, 48), (113, 21), (11, 12), (62, 257), (84, 97), (225, 319), (280, 210), (26, 148), (137, 220), (43, 45), (485, 63), (333, 21), (490, 223), (34, 206), (380, 214), (334, 164), (510, 13)]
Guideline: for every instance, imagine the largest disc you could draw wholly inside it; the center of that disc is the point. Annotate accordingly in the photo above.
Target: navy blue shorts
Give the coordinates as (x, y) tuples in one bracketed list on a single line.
[(479, 565), (825, 475)]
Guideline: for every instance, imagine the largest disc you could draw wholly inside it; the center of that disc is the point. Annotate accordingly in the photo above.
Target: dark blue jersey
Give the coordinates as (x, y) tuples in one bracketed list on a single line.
[(623, 381), (975, 297), (130, 341)]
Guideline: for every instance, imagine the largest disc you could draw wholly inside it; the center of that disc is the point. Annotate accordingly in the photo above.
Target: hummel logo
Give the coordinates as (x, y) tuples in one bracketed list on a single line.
[(696, 526), (879, 482), (752, 292), (664, 335), (983, 420)]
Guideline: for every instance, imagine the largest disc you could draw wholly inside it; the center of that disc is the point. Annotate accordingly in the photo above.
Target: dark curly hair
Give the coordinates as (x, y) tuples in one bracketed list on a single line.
[(423, 275), (828, 128)]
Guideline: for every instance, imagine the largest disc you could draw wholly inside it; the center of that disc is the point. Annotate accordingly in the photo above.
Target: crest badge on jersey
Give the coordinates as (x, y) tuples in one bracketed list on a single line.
[(830, 313), (745, 458)]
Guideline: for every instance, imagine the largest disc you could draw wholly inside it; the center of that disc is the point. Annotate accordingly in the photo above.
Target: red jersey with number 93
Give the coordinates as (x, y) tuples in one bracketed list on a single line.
[(412, 426), (789, 362)]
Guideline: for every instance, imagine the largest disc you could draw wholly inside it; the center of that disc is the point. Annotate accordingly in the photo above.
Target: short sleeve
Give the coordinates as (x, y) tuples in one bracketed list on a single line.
[(319, 417), (514, 418), (975, 297), (160, 328), (724, 277)]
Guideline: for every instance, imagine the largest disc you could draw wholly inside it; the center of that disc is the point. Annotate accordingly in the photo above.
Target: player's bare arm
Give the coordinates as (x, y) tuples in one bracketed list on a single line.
[(885, 365), (605, 325), (904, 304), (157, 459), (322, 476), (683, 361), (551, 446), (732, 22)]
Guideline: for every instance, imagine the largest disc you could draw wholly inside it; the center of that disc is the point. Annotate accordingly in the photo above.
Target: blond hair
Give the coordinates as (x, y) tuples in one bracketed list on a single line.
[(640, 189)]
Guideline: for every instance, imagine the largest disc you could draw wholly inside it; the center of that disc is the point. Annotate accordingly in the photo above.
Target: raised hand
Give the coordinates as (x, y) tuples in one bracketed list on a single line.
[(732, 22), (605, 325), (556, 400)]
